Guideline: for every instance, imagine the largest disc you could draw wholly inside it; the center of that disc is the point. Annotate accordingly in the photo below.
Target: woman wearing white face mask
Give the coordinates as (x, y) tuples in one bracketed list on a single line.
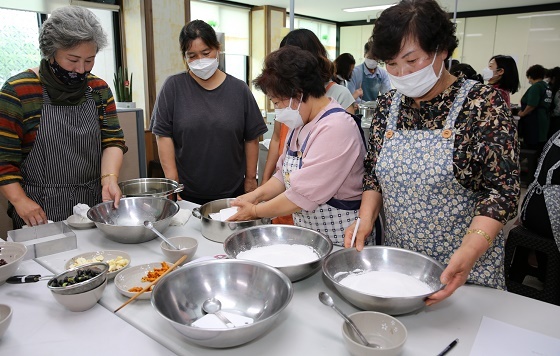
[(502, 74), (443, 159), (207, 123), (319, 173)]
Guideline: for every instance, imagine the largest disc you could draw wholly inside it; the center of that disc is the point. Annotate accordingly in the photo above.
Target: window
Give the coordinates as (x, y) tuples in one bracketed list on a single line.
[(326, 32), (19, 42)]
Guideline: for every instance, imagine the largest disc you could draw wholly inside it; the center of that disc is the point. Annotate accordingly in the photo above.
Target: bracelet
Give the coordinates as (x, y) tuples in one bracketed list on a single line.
[(255, 210), (481, 233), (108, 175)]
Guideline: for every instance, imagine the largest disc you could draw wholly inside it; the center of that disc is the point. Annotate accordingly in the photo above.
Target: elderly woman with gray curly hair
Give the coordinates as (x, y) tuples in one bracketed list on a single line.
[(60, 139)]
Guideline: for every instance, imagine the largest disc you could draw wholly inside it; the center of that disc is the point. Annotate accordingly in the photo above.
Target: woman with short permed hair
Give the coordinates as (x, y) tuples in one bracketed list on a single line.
[(60, 139)]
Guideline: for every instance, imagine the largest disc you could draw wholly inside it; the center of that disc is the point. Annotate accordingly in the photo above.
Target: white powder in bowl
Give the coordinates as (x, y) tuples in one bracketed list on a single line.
[(280, 255), (386, 284)]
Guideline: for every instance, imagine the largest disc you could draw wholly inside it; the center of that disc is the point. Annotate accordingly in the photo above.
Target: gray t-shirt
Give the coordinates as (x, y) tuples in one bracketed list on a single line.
[(209, 129)]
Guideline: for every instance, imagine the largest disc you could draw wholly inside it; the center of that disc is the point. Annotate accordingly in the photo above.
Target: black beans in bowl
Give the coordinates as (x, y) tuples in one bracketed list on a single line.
[(79, 279)]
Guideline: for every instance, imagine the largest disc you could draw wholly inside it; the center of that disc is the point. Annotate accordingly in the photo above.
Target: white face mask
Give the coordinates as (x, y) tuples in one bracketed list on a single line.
[(417, 84), (370, 63), (204, 68), (487, 74), (289, 116)]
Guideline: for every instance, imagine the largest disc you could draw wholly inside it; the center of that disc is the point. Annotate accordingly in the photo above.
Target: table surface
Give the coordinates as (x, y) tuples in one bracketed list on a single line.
[(305, 327)]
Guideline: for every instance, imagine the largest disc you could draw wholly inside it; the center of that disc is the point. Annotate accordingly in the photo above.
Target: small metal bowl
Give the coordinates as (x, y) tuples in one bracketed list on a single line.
[(267, 235), (84, 286), (342, 263), (126, 223)]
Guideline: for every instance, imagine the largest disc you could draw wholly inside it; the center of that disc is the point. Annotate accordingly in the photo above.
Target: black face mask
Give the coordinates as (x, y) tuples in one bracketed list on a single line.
[(67, 77)]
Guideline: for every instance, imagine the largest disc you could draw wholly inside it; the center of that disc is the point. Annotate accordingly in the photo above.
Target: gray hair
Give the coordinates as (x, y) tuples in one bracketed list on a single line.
[(68, 27)]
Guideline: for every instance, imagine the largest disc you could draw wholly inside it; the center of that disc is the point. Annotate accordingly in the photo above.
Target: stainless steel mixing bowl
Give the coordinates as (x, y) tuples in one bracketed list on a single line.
[(150, 187), (267, 235), (126, 224), (216, 230), (341, 263), (246, 288)]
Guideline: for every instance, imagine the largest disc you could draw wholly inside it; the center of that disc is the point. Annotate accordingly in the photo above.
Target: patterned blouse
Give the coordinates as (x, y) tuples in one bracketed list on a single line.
[(486, 156)]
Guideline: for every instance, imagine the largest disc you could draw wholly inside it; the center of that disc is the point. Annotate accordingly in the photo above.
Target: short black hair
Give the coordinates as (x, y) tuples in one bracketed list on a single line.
[(536, 72), (290, 72), (307, 40), (422, 20), (466, 71), (509, 81), (197, 29), (343, 65)]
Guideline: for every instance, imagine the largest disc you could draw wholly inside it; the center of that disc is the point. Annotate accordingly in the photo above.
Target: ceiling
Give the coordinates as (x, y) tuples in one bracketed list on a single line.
[(332, 9)]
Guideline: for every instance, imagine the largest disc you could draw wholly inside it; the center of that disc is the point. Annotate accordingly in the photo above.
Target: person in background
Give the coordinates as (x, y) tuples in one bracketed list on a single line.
[(443, 158), (60, 139), (451, 63), (306, 40), (344, 66), (535, 104), (554, 83), (503, 75), (466, 71), (319, 173), (207, 123), (369, 77)]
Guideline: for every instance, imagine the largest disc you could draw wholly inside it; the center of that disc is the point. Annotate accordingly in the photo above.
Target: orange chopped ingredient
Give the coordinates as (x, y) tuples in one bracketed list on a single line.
[(156, 273), (135, 289)]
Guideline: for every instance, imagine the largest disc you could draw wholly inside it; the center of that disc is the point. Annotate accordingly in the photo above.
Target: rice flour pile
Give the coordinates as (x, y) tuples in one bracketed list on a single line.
[(386, 284), (280, 255)]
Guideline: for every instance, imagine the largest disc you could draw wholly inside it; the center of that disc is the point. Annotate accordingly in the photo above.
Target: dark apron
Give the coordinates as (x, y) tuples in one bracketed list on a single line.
[(64, 165)]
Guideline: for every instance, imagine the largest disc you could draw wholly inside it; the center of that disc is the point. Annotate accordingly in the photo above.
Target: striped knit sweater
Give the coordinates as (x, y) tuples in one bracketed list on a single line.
[(21, 100)]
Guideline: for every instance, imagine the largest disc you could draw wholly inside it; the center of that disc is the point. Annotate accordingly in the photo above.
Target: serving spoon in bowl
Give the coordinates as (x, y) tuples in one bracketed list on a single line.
[(213, 306), (148, 224), (328, 301)]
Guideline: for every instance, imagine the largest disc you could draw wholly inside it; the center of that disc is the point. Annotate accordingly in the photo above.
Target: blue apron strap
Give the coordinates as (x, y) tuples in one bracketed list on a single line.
[(345, 204)]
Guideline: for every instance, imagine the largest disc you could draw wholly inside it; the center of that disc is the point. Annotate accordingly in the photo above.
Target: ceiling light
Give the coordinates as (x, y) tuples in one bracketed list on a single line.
[(538, 15), (368, 8), (542, 29)]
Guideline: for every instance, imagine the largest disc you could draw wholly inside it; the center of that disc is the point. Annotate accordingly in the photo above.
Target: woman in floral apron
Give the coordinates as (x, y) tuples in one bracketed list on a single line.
[(320, 171), (443, 160)]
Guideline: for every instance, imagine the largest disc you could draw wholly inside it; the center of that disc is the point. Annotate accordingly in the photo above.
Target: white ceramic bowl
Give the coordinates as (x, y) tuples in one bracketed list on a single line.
[(77, 222), (132, 277), (81, 301), (187, 246), (5, 318), (107, 256), (381, 329), (13, 253)]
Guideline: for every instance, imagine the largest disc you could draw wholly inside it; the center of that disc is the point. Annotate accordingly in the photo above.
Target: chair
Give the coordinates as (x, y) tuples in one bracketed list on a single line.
[(520, 240)]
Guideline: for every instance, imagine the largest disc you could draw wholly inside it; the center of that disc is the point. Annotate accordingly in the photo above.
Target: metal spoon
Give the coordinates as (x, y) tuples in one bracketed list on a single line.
[(213, 306), (149, 225), (328, 301)]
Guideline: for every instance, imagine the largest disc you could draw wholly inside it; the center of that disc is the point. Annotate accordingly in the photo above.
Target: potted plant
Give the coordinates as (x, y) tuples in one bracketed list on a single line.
[(123, 88)]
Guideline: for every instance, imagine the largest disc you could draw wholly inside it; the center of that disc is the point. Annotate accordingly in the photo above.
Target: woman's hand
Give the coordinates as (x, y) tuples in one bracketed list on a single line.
[(245, 210), (456, 273), (250, 184), (31, 213), (364, 230), (111, 190)]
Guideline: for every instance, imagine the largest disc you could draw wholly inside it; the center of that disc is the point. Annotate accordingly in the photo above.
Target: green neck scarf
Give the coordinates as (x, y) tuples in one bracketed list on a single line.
[(61, 94)]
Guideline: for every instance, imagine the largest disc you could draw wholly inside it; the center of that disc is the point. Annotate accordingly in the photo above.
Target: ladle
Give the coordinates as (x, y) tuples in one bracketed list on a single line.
[(149, 225), (328, 301), (213, 306)]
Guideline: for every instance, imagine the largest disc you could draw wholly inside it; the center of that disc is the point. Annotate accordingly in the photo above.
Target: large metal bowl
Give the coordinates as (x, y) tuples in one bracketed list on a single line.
[(267, 235), (246, 288), (150, 187), (216, 230), (341, 263), (126, 224), (101, 267)]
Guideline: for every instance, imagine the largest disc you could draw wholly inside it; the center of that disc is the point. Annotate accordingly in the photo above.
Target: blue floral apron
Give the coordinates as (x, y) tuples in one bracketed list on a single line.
[(426, 208), (330, 218)]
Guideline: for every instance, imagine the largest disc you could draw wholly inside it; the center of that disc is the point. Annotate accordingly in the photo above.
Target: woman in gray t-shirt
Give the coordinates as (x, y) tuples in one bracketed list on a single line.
[(207, 123)]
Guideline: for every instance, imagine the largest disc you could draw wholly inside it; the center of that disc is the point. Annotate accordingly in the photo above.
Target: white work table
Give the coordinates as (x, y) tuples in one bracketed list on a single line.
[(306, 327)]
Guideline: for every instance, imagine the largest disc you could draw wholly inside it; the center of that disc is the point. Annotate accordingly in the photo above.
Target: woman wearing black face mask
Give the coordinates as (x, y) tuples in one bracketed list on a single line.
[(443, 158), (60, 140)]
